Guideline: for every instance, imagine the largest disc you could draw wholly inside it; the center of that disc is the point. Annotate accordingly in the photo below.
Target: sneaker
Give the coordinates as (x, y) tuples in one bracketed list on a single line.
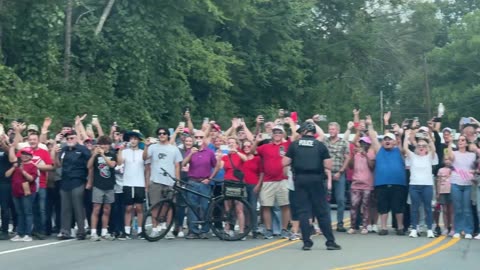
[(430, 234), (4, 236), (383, 232), (456, 235), (445, 232), (374, 228), (340, 228), (364, 231), (181, 234), (170, 235), (400, 232), (477, 237), (413, 234), (369, 228), (351, 231), (39, 236), (468, 236), (16, 238), (81, 237), (451, 233), (108, 237), (27, 238), (268, 234), (141, 236), (285, 234), (333, 246), (162, 226), (438, 231), (94, 238), (192, 236), (307, 245), (204, 236), (123, 236), (294, 237), (230, 233), (64, 236)]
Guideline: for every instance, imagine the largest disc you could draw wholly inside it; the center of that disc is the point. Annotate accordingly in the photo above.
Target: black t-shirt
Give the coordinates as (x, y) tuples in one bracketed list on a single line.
[(5, 165), (307, 155), (104, 176)]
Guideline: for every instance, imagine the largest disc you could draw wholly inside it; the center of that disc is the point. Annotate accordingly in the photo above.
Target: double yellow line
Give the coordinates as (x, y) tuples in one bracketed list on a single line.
[(404, 257), (264, 249)]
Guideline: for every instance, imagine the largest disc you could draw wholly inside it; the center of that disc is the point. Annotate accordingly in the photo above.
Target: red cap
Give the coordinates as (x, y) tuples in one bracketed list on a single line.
[(217, 127), (27, 150)]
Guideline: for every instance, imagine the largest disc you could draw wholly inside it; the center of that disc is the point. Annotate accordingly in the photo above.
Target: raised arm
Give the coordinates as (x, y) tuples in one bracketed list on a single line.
[(44, 130), (98, 126), (372, 134)]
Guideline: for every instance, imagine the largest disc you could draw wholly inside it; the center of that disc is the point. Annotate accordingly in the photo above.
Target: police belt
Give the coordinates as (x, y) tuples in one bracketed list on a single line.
[(308, 172)]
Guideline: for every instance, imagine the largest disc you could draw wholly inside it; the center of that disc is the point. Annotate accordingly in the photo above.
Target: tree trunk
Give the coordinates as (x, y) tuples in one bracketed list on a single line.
[(68, 40), (106, 12)]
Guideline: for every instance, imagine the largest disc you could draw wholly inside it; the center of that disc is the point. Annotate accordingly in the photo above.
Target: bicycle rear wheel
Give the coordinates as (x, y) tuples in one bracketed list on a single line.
[(231, 219), (159, 220)]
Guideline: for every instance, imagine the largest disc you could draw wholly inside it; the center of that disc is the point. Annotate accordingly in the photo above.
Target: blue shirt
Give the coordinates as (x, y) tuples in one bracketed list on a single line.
[(74, 166), (390, 168)]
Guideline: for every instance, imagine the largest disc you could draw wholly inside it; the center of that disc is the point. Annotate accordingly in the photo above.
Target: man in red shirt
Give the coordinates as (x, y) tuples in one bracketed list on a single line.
[(274, 184), (43, 161)]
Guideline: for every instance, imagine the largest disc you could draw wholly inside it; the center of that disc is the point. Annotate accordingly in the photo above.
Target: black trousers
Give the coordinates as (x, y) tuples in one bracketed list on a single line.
[(311, 198)]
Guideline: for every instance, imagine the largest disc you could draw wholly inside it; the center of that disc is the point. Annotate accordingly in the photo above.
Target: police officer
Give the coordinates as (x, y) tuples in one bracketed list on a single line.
[(309, 158)]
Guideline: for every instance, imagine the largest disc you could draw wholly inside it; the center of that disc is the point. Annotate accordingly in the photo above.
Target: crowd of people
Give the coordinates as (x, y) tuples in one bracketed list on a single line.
[(101, 184)]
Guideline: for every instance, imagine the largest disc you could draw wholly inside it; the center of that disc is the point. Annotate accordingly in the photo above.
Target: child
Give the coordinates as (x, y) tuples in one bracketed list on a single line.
[(443, 196), (362, 162), (23, 174), (102, 163)]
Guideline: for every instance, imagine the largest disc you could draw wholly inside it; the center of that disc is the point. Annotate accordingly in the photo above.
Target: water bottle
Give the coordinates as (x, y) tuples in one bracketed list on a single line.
[(135, 224), (441, 110)]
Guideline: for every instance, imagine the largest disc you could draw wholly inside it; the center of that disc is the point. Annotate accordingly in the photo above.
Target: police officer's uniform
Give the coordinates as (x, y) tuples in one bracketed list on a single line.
[(307, 156)]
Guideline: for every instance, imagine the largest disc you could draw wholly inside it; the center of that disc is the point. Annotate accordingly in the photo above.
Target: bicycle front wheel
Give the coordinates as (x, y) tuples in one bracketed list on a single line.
[(231, 219), (159, 220)]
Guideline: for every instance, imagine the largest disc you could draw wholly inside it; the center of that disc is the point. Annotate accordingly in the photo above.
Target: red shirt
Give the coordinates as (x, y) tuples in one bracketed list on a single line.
[(18, 179), (272, 160), (252, 169), (227, 166), (38, 155)]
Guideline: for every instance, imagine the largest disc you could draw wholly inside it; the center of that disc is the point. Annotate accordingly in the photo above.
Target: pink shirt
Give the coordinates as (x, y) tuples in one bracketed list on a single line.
[(443, 180), (362, 174)]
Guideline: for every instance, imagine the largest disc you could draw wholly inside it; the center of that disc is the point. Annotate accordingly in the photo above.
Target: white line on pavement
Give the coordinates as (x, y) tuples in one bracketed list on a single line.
[(32, 247)]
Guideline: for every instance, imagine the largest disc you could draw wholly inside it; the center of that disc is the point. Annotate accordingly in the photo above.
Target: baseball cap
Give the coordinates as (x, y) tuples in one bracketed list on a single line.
[(389, 135), (27, 150), (71, 133), (278, 127), (424, 129), (32, 127), (366, 140), (186, 131), (447, 129), (217, 127)]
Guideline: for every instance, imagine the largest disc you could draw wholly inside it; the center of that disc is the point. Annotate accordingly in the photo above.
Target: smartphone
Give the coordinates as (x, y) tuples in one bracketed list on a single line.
[(206, 120), (182, 124), (466, 120), (224, 147), (437, 120), (94, 117), (282, 150)]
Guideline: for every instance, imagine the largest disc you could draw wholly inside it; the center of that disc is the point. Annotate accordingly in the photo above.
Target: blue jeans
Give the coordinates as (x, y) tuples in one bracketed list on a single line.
[(462, 208), (421, 194), (201, 205), (339, 186), (252, 200), (24, 208), (40, 211)]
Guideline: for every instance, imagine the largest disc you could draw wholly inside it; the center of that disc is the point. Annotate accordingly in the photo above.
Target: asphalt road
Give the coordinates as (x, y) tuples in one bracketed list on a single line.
[(359, 252)]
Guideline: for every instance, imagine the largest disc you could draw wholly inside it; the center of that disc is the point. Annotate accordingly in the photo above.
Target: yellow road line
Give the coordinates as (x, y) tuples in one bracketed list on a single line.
[(411, 252), (235, 255), (199, 266), (252, 255), (426, 254)]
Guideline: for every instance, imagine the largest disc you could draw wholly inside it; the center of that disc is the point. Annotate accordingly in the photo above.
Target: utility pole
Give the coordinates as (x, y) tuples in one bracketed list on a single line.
[(428, 101), (381, 111)]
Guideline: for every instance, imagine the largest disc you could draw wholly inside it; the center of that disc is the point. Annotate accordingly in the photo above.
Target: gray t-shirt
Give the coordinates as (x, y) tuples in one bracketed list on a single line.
[(163, 156)]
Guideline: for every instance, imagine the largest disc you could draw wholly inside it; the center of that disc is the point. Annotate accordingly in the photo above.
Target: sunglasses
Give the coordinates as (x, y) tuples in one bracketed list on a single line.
[(422, 145), (70, 138), (199, 137), (162, 133)]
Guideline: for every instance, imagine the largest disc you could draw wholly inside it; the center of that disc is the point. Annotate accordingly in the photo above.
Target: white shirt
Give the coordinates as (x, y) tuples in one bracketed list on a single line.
[(421, 168), (134, 175)]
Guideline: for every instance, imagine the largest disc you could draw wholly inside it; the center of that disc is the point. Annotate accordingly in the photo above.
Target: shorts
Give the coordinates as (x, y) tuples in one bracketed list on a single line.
[(293, 205), (133, 195), (444, 198), (158, 192), (274, 192), (103, 196), (390, 198)]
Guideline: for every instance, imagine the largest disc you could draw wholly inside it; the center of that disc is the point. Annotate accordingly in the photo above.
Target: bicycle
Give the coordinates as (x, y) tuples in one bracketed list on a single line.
[(224, 212)]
